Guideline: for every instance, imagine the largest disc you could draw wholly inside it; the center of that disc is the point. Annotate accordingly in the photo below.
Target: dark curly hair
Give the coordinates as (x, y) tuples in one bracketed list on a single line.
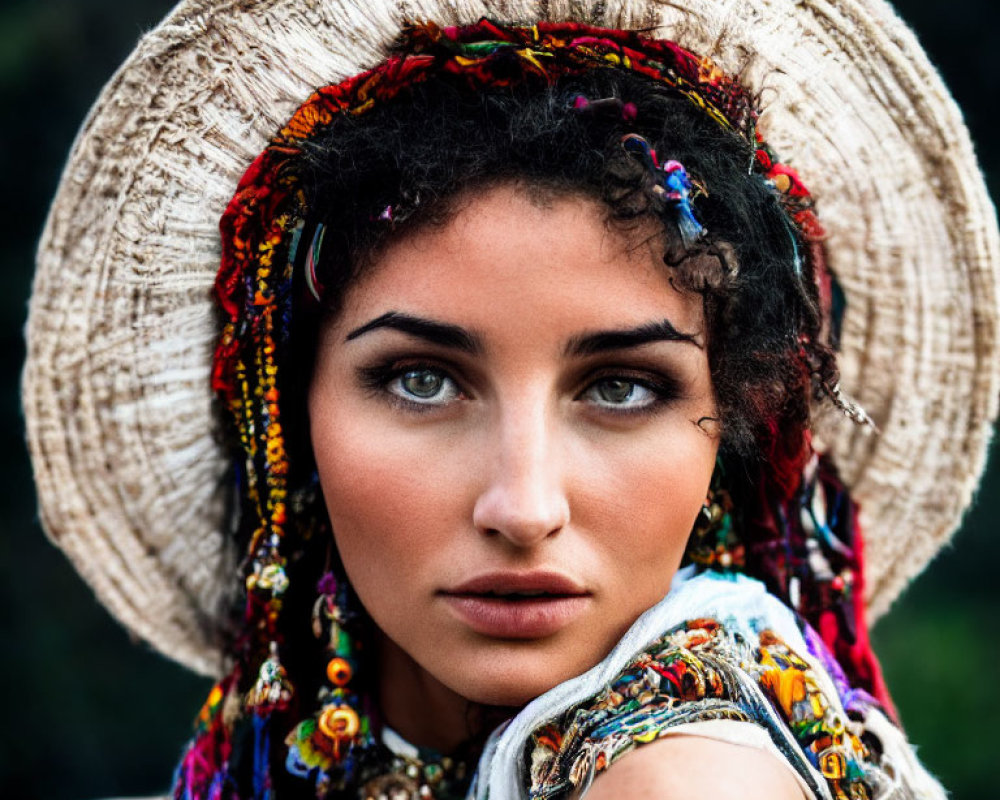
[(419, 152)]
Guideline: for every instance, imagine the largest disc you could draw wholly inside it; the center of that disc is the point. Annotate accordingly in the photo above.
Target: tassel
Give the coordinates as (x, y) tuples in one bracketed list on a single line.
[(679, 189), (673, 185), (203, 770), (262, 758)]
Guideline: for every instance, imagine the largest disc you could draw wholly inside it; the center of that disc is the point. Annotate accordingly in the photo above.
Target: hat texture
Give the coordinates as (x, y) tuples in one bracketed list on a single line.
[(132, 484)]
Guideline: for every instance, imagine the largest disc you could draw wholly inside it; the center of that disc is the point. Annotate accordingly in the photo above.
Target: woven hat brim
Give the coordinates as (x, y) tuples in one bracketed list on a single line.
[(131, 484)]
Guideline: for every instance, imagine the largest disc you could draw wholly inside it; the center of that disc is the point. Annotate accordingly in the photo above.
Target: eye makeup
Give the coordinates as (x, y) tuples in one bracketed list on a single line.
[(411, 384), (629, 392), (423, 385)]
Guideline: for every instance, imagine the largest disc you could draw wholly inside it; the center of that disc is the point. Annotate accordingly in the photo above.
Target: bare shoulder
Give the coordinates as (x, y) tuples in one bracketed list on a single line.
[(684, 767)]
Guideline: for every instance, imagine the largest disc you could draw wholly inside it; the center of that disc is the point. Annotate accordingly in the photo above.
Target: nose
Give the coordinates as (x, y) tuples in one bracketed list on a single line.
[(524, 499)]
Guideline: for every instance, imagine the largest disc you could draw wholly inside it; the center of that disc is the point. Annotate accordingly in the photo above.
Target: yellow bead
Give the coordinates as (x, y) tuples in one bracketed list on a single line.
[(215, 695), (339, 723)]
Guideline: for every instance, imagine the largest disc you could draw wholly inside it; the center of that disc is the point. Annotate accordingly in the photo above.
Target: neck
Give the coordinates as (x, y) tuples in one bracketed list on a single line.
[(423, 710)]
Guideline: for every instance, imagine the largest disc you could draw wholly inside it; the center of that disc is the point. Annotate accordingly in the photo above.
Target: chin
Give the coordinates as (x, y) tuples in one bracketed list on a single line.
[(514, 679), (512, 694)]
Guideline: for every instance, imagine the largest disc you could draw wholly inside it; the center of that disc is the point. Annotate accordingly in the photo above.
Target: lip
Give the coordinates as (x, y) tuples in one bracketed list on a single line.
[(482, 604)]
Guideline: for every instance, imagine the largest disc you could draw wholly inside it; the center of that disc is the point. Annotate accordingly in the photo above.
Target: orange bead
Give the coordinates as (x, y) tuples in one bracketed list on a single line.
[(338, 671), (339, 723)]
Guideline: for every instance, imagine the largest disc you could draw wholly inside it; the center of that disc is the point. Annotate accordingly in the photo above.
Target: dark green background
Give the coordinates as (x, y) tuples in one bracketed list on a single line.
[(85, 713)]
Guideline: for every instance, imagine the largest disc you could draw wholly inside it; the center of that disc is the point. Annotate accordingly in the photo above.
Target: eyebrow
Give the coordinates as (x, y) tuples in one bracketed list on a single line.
[(602, 341), (454, 336), (439, 333)]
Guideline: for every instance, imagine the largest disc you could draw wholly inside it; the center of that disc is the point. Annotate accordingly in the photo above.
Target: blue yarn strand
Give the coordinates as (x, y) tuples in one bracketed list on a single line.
[(261, 758)]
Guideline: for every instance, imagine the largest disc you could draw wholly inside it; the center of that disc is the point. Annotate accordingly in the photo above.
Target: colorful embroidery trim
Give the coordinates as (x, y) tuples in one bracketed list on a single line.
[(696, 672)]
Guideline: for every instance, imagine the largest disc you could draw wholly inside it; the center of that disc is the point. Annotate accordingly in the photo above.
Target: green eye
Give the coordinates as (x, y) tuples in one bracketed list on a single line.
[(616, 392), (417, 386), (423, 384), (622, 394)]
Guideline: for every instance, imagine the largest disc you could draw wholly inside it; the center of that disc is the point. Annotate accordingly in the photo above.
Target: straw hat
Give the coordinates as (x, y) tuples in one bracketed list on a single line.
[(122, 327)]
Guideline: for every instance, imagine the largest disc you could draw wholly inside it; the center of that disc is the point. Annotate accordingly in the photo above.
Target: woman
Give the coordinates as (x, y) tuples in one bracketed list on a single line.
[(513, 323)]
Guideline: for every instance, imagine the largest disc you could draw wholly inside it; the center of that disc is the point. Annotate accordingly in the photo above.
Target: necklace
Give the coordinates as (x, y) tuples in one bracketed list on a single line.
[(417, 773)]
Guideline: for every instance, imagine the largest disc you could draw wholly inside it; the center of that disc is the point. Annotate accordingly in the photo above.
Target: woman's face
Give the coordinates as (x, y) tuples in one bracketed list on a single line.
[(505, 417)]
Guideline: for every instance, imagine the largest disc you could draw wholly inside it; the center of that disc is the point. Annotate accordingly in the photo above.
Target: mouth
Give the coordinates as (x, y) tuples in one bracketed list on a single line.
[(517, 605), (519, 584), (514, 596)]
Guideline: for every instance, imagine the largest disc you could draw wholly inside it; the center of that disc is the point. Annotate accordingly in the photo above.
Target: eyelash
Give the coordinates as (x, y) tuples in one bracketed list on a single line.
[(377, 380), (663, 388)]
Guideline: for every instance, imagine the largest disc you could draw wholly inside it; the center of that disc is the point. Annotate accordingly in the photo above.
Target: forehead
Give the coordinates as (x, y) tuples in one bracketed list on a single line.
[(509, 255)]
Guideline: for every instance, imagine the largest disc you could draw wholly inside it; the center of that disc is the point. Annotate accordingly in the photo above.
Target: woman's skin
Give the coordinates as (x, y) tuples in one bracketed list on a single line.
[(682, 767), (513, 401)]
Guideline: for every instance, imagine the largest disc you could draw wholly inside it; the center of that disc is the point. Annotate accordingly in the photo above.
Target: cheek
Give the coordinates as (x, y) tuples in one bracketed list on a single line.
[(644, 499), (387, 499)]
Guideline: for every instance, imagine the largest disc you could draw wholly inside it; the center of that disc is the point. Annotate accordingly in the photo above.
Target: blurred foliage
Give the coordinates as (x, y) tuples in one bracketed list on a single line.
[(87, 713)]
